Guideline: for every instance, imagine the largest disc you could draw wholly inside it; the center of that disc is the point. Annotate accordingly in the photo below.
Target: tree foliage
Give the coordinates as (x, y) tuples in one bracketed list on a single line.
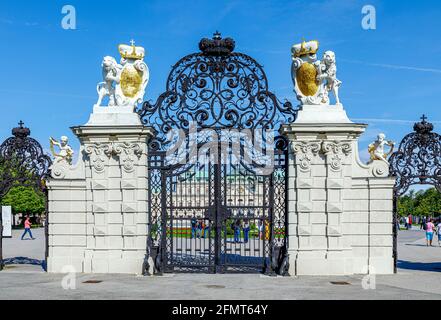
[(421, 203), (24, 200)]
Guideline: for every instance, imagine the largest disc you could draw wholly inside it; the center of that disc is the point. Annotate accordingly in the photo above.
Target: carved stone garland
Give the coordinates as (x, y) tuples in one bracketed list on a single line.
[(125, 150)]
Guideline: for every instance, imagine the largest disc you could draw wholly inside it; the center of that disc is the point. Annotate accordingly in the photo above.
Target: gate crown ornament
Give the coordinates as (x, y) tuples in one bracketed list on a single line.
[(217, 46), (21, 132), (423, 127)]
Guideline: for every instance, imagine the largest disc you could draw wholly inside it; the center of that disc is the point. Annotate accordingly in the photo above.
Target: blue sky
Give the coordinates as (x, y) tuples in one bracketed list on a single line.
[(390, 75)]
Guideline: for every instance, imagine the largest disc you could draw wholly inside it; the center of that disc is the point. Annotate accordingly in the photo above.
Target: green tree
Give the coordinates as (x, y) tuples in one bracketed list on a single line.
[(24, 200), (421, 203)]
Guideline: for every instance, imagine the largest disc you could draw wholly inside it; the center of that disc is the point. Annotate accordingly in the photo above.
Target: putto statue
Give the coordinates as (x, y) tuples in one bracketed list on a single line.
[(65, 153), (376, 149), (314, 79), (124, 83)]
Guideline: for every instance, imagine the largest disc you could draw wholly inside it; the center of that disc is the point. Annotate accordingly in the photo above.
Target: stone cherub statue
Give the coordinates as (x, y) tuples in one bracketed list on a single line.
[(314, 79), (65, 153), (125, 82), (376, 149)]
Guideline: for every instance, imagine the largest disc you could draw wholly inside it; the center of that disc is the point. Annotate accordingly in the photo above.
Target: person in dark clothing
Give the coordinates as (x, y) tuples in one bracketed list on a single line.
[(194, 223), (237, 226)]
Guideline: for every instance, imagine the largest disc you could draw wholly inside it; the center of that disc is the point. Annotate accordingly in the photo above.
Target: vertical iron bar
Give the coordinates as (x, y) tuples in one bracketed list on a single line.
[(46, 229), (218, 214), (395, 230), (1, 241), (163, 249)]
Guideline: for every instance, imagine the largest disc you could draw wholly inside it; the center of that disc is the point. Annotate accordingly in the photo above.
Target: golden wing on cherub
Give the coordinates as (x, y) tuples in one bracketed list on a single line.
[(371, 149)]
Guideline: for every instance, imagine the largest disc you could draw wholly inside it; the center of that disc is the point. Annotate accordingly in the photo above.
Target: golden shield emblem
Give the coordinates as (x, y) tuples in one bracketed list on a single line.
[(307, 79), (131, 80)]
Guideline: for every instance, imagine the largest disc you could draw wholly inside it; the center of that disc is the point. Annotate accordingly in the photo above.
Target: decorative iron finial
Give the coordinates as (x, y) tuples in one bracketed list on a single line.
[(217, 46), (217, 35), (21, 131), (423, 127)]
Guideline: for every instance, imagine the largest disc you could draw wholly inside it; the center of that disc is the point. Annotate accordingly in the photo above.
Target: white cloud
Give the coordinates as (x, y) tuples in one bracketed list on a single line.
[(392, 66)]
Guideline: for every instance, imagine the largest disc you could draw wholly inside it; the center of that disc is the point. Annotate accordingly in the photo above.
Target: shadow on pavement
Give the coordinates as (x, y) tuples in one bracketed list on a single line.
[(420, 266), (23, 260), (418, 245)]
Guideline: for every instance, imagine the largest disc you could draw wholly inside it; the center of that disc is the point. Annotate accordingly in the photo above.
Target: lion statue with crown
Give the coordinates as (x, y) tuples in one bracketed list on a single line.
[(111, 75), (124, 83)]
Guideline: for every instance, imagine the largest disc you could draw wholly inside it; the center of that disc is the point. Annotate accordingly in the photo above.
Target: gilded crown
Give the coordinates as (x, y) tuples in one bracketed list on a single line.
[(305, 48), (131, 51)]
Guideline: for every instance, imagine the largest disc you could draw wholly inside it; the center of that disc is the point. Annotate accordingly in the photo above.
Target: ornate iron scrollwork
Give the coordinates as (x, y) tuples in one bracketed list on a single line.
[(216, 88), (23, 162), (418, 159)]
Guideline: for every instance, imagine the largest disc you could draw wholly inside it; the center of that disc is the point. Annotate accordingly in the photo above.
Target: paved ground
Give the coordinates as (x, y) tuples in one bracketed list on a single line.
[(418, 278)]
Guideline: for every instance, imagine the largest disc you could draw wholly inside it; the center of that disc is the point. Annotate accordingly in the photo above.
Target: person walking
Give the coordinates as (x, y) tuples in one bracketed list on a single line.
[(27, 225), (438, 231), (206, 230), (260, 228), (406, 224), (199, 229), (429, 232), (410, 221), (246, 230), (423, 222), (237, 231), (194, 223)]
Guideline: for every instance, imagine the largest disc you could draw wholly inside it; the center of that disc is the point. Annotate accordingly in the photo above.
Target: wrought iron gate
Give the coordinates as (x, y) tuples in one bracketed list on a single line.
[(417, 161), (23, 163), (217, 176)]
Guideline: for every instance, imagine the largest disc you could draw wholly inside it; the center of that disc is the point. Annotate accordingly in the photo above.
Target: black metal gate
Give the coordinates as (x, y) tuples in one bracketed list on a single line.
[(23, 163), (417, 161), (217, 174)]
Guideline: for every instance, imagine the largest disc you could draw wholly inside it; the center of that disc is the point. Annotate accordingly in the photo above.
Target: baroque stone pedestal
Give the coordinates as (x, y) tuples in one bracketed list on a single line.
[(98, 208), (339, 210)]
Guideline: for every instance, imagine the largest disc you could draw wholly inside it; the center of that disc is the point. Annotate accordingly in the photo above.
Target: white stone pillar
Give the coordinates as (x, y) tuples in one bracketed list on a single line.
[(339, 210), (98, 215)]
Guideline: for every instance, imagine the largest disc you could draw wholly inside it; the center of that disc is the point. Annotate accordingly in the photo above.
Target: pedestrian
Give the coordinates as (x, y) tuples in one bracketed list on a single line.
[(260, 228), (410, 221), (246, 230), (27, 225), (199, 229), (267, 230), (206, 230), (429, 232), (438, 231), (406, 224), (423, 222), (193, 227), (237, 231)]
